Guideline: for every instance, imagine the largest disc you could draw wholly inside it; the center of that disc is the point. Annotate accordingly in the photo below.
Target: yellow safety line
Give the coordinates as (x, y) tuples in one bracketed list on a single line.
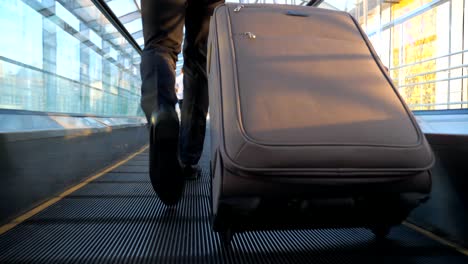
[(437, 238), (41, 207)]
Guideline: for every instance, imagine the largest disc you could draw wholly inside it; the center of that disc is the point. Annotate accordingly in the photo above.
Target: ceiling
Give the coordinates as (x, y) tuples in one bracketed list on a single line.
[(128, 12)]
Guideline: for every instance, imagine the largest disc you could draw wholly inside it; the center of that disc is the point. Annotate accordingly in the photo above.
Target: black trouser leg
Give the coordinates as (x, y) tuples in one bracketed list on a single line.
[(195, 107), (181, 101), (163, 22)]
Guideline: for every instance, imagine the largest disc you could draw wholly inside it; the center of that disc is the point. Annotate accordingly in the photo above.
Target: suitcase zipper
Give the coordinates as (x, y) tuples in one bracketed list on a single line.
[(238, 8), (250, 35)]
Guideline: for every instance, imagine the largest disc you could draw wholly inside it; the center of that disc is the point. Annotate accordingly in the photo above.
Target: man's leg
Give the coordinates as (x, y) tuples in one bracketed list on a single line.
[(163, 22), (181, 101), (195, 107)]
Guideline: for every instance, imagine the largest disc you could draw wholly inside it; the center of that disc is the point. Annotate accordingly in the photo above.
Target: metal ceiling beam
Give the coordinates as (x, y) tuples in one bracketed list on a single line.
[(138, 34), (127, 18)]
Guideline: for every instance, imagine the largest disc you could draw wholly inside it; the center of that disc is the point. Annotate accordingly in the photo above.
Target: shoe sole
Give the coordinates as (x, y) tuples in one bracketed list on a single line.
[(192, 177), (165, 172)]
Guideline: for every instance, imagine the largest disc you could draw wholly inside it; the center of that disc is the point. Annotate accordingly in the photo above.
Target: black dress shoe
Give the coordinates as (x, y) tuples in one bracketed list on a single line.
[(165, 171), (191, 172)]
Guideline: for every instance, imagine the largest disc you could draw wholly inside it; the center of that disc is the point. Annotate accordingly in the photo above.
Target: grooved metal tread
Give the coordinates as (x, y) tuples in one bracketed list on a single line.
[(118, 219)]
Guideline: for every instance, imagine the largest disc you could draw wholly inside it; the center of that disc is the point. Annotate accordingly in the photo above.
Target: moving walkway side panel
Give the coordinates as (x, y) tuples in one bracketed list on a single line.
[(445, 213), (43, 154)]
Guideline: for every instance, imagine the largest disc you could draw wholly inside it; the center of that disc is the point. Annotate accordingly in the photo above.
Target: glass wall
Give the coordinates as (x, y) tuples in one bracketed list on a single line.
[(423, 42), (65, 56)]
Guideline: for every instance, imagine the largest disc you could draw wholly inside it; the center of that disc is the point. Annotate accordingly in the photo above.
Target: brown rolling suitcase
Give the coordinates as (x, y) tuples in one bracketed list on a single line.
[(307, 129)]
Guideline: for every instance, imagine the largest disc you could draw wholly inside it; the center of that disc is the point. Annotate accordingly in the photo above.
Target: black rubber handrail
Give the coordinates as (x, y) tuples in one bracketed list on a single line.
[(109, 14), (314, 2)]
